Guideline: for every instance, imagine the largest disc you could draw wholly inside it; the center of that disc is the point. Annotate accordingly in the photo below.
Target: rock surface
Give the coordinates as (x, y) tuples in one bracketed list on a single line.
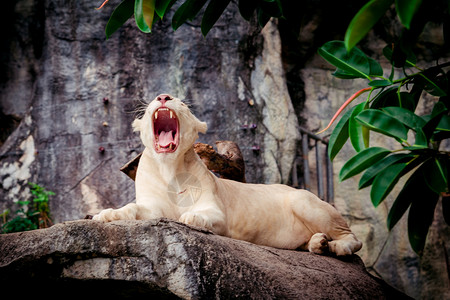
[(167, 259)]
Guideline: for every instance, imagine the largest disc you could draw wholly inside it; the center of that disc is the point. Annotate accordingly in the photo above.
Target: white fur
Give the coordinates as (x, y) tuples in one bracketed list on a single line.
[(272, 215)]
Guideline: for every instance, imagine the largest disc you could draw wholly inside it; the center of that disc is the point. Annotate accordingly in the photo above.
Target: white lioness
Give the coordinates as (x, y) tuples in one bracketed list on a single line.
[(172, 182)]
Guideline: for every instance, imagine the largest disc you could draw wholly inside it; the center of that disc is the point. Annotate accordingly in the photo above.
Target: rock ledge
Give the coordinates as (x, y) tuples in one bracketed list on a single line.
[(168, 260)]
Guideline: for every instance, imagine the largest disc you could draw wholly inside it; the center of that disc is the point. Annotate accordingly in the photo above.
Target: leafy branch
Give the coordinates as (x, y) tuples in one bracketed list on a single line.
[(390, 110), (145, 10)]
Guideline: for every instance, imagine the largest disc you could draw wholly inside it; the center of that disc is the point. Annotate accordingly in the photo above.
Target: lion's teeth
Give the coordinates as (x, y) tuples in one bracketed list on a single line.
[(171, 146), (156, 115), (171, 114)]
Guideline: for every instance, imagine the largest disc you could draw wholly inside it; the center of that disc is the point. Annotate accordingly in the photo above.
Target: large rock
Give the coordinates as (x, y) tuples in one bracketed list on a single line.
[(167, 259)]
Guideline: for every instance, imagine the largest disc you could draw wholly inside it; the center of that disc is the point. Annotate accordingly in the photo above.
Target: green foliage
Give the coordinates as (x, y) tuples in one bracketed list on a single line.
[(390, 110), (120, 15), (31, 214), (364, 20), (144, 11), (340, 135), (351, 64)]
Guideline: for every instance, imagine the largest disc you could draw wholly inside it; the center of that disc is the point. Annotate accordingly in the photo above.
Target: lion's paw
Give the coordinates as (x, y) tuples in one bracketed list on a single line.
[(318, 243), (106, 215), (196, 219), (341, 247), (127, 212)]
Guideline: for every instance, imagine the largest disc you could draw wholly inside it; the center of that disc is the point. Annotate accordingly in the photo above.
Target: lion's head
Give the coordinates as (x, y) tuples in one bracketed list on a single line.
[(168, 126)]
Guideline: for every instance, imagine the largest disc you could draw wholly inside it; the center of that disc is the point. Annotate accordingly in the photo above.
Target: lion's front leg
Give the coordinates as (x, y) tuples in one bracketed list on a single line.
[(211, 219), (128, 212)]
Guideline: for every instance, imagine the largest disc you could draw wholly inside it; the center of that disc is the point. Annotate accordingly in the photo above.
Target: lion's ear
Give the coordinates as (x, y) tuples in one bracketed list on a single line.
[(202, 127), (136, 125)]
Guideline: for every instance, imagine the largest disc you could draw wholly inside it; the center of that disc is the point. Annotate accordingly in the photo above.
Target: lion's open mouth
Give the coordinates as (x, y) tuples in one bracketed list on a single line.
[(166, 130)]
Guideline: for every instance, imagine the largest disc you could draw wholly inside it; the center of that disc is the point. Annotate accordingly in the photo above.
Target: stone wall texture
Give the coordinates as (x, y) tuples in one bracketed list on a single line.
[(57, 69)]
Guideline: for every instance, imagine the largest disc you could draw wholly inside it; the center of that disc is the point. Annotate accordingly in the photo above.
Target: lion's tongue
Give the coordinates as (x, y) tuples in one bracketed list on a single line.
[(165, 138)]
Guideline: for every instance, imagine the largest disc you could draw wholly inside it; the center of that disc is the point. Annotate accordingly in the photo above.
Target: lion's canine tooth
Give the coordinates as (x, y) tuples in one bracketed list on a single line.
[(171, 114), (156, 115), (170, 146)]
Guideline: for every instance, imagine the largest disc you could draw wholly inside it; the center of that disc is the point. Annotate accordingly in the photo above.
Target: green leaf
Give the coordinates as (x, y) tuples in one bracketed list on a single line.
[(438, 112), (366, 136), (344, 75), (380, 83), (385, 181), (364, 20), (406, 10), (162, 6), (375, 67), (370, 174), (444, 123), (143, 14), (354, 62), (420, 218), (355, 129), (391, 97), (410, 58), (421, 139), (339, 136), (436, 86), (435, 174), (187, 11), (148, 8), (406, 100), (381, 98), (120, 15), (411, 190), (381, 122), (212, 13), (408, 118), (362, 161)]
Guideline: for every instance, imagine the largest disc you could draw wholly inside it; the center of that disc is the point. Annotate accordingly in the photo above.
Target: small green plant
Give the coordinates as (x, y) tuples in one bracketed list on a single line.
[(31, 215)]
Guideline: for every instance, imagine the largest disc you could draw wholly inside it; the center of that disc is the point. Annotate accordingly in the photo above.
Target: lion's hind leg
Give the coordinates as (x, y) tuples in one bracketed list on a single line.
[(322, 219), (346, 245)]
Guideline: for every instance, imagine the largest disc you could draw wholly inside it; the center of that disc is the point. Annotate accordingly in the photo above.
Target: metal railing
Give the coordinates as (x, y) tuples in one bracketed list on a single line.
[(320, 147)]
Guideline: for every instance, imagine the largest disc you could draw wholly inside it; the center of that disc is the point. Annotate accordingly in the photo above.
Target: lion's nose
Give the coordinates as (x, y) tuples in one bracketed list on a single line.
[(163, 98)]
